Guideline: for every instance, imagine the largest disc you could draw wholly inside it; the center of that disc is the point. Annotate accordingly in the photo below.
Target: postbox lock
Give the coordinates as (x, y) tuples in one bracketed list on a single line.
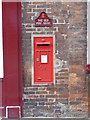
[(38, 78)]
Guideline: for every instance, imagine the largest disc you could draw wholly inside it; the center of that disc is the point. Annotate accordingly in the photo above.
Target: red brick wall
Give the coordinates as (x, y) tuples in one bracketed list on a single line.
[(77, 36), (69, 94)]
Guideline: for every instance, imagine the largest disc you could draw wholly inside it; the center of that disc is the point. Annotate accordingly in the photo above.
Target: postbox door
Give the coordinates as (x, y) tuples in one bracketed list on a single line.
[(43, 60)]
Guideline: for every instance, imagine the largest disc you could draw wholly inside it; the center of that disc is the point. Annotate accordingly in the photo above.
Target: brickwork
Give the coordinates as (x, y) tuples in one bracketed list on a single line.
[(77, 38), (69, 94)]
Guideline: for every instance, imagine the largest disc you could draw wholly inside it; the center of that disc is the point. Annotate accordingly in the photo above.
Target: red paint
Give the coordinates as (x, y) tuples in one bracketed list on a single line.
[(43, 60), (0, 96), (88, 68), (43, 20), (12, 44), (13, 112)]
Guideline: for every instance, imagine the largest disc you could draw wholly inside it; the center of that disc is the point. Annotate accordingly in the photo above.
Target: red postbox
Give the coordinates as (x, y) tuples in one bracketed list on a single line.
[(43, 60)]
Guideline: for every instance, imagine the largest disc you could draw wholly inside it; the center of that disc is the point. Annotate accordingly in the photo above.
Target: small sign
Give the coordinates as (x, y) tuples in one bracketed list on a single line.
[(43, 58), (43, 20)]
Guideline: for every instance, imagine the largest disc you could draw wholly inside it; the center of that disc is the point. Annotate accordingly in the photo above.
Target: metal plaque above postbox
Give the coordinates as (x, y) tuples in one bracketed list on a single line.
[(43, 20)]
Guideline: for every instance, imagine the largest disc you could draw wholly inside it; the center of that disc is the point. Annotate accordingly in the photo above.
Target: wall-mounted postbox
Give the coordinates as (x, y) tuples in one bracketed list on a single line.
[(43, 60)]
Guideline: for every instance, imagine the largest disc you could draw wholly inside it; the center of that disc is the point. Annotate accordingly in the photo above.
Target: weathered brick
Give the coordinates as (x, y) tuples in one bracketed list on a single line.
[(25, 92), (41, 92), (68, 19), (33, 103), (61, 77), (64, 74), (41, 88), (57, 111), (39, 10), (42, 103), (41, 96), (63, 70), (31, 92), (51, 99), (42, 107), (51, 96), (25, 100)]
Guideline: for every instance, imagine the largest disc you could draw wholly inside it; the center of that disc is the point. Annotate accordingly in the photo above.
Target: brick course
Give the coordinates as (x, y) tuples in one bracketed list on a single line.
[(69, 94)]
